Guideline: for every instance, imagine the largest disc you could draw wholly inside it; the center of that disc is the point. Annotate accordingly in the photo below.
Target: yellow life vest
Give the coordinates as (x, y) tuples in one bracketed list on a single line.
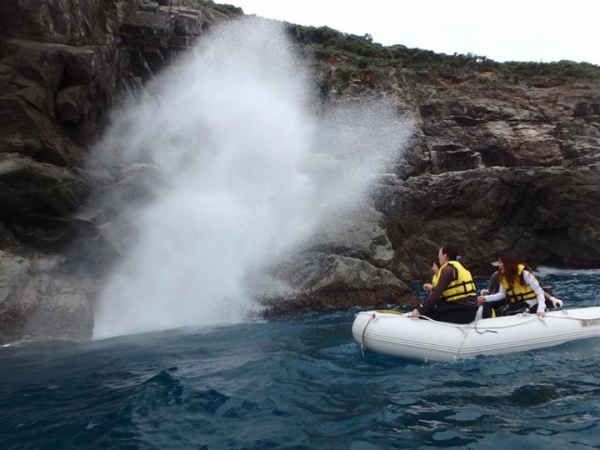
[(460, 288), (519, 292), (435, 278)]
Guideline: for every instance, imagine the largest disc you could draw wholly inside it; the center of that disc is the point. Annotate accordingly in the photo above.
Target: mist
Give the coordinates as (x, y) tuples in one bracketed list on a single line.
[(251, 164)]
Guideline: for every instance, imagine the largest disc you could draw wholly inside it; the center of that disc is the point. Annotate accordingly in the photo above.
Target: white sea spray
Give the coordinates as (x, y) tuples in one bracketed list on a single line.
[(251, 164)]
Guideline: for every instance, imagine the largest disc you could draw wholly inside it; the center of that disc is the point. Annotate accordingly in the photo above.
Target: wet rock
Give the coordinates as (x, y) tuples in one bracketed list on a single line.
[(29, 189), (323, 282), (73, 104), (37, 305), (358, 233)]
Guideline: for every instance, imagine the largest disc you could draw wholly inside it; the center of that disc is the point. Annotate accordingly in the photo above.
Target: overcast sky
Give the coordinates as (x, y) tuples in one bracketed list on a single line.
[(502, 30)]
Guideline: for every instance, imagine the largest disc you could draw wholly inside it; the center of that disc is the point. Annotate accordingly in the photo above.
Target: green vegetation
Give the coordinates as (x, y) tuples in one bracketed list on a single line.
[(228, 10), (554, 70), (364, 53)]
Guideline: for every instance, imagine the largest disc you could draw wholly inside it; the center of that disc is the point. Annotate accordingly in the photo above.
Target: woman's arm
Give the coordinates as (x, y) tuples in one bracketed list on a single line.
[(557, 302), (533, 283), (493, 297), (447, 275)]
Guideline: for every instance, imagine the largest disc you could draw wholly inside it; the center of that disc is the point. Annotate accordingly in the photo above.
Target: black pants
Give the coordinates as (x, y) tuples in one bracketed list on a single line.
[(492, 309), (504, 308), (453, 313)]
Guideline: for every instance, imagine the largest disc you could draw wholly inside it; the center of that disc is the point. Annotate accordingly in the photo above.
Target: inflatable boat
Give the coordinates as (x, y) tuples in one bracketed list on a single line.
[(397, 334)]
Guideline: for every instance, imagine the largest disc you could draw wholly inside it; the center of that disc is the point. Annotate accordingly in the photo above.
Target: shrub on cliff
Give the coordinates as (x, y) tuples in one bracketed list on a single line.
[(325, 41)]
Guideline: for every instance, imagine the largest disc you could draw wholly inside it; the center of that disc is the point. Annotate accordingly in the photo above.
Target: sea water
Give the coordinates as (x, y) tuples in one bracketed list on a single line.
[(298, 382)]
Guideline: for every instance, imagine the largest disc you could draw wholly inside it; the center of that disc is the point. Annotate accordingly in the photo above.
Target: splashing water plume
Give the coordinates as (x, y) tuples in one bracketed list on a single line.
[(250, 166)]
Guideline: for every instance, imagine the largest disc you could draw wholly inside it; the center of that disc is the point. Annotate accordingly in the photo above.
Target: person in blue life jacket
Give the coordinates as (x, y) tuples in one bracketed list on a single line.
[(435, 267), (454, 297), (518, 291)]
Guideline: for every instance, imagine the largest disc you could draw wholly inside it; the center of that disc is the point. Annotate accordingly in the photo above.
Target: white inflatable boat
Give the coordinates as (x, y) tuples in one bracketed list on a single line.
[(396, 334)]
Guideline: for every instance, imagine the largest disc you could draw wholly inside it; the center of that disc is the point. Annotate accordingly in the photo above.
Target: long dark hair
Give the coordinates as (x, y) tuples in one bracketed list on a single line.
[(451, 251), (511, 269)]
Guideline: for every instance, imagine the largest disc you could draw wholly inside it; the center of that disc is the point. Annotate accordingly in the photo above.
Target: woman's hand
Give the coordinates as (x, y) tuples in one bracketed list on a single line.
[(415, 314), (481, 299), (540, 314), (557, 302), (427, 287)]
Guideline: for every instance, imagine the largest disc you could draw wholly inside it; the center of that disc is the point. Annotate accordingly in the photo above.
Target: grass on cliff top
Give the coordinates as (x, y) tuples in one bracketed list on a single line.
[(365, 53), (228, 10)]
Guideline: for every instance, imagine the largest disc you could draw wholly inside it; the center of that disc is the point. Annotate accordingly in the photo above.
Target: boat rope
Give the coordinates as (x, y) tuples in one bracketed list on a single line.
[(532, 318), (484, 331), (465, 331), (565, 317), (363, 346), (446, 324)]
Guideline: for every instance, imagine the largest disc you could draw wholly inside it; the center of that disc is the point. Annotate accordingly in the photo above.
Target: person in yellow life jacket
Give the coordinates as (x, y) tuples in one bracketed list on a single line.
[(552, 303), (454, 297), (435, 267), (518, 288)]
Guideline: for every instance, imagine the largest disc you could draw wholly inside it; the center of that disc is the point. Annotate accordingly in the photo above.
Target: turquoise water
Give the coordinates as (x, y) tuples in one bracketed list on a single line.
[(298, 383)]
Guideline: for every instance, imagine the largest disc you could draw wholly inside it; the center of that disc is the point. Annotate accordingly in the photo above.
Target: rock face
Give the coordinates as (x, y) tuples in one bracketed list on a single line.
[(37, 304), (329, 282), (523, 126), (495, 164), (31, 189), (518, 170), (63, 66), (66, 63), (546, 214)]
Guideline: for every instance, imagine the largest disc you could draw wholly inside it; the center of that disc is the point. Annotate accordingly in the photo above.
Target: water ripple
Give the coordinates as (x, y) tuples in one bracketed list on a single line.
[(295, 383)]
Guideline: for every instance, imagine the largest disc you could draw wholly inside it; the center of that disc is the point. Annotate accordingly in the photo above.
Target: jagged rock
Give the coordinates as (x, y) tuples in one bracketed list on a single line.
[(94, 22), (65, 64), (63, 309), (470, 132), (546, 215), (29, 189), (324, 282), (8, 240), (37, 200), (35, 305), (110, 214), (73, 104), (358, 233), (44, 78)]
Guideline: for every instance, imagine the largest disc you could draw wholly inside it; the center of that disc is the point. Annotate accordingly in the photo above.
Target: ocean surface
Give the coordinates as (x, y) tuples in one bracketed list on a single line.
[(297, 383)]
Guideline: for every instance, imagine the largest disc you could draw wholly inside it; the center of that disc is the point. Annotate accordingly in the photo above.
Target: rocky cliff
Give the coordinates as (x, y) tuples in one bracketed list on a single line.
[(503, 157), (63, 66)]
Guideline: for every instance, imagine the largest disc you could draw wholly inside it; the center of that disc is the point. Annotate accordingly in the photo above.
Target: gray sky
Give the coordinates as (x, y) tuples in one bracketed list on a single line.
[(507, 30)]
